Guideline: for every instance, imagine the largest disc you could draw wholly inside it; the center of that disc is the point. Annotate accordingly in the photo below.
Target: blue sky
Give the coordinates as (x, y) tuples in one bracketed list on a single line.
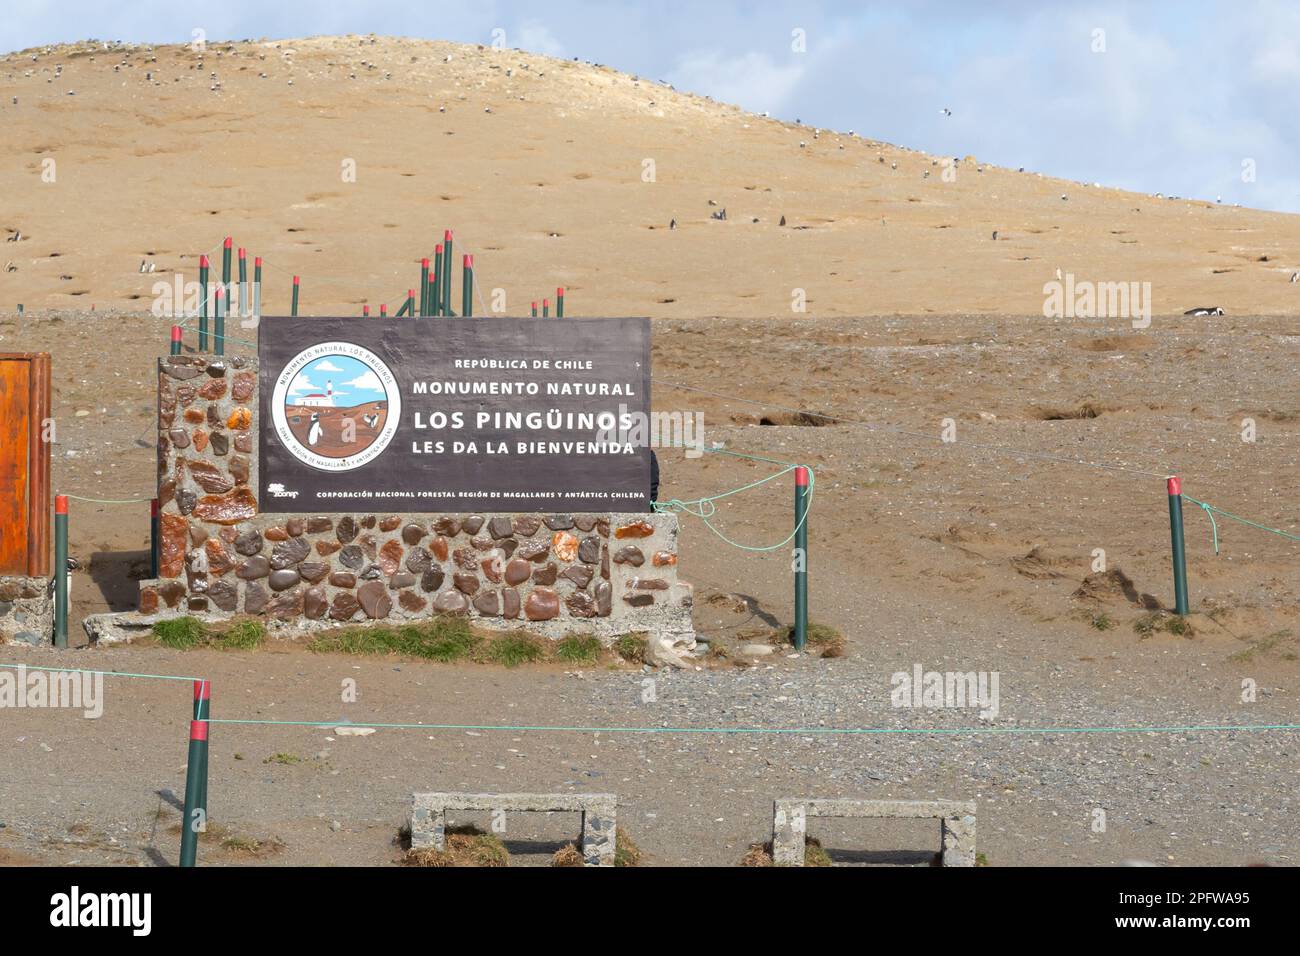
[(1193, 99), (352, 379)]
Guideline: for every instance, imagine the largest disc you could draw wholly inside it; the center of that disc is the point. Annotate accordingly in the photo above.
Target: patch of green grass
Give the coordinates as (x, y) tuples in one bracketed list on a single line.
[(441, 639), (187, 633), (1175, 624), (578, 649), (1147, 625), (821, 637), (450, 645), (514, 649), (284, 759), (1102, 621), (981, 859), (180, 633), (631, 647), (241, 636)]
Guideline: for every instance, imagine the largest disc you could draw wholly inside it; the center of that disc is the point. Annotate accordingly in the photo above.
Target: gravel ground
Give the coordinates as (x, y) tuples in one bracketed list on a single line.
[(922, 554), (1169, 797)]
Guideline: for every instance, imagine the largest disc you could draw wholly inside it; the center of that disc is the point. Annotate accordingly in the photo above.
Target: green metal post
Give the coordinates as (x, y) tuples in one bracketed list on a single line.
[(436, 304), (226, 249), (202, 711), (257, 287), (192, 816), (446, 273), (1175, 487), (204, 271), (424, 287), (559, 303), (294, 308), (219, 329), (153, 538), (546, 308), (467, 288), (61, 571), (800, 557), (177, 338), (243, 283), (534, 310)]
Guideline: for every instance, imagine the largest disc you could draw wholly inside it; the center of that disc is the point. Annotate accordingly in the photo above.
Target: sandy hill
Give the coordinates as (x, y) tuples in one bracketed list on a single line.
[(539, 165)]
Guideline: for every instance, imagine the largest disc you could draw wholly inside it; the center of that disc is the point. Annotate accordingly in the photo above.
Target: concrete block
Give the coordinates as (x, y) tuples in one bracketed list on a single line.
[(790, 823), (598, 810)]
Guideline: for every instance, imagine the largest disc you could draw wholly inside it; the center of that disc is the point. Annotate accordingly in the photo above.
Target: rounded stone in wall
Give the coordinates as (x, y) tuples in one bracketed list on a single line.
[(283, 579), (451, 602), (542, 605)]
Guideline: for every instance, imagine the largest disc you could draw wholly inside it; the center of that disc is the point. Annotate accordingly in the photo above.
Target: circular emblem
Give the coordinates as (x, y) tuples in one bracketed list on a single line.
[(336, 406)]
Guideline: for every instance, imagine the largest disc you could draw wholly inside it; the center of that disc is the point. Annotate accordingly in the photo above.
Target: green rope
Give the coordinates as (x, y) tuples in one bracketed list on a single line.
[(1211, 511), (78, 670), (909, 731), (704, 508)]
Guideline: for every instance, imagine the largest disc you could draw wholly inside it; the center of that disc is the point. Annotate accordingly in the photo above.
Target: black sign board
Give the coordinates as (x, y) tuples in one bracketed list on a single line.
[(432, 415)]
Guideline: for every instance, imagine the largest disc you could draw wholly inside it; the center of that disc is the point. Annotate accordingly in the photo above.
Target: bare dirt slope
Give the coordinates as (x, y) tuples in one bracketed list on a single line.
[(538, 163)]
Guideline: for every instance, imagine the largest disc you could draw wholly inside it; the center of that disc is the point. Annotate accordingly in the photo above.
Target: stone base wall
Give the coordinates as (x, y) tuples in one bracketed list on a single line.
[(606, 574), (26, 611)]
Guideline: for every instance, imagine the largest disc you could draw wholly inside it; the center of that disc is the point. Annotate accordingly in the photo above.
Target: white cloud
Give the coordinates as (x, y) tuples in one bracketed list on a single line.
[(301, 385), (367, 381), (535, 38), (752, 80), (325, 365)]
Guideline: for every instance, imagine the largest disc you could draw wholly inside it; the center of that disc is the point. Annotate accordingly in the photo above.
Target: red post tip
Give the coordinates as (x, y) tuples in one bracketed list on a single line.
[(410, 293), (153, 507), (1175, 485), (202, 689), (469, 262), (198, 730), (546, 303), (60, 504), (229, 242), (365, 310), (176, 333), (295, 280), (218, 291), (424, 263), (446, 236), (801, 476), (534, 304), (203, 262), (438, 248), (243, 253), (559, 293), (257, 260)]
